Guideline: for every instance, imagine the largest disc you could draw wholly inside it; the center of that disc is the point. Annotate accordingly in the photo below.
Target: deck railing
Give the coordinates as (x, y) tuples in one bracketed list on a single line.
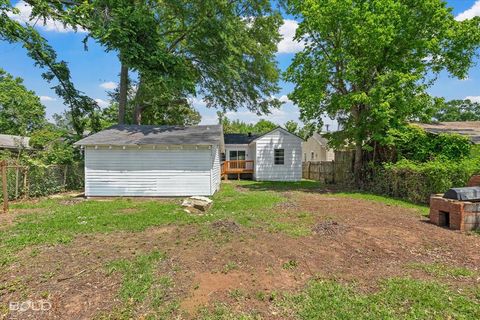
[(237, 167)]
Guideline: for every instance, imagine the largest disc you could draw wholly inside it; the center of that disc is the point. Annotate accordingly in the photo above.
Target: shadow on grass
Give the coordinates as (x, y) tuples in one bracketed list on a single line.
[(304, 186), (317, 187)]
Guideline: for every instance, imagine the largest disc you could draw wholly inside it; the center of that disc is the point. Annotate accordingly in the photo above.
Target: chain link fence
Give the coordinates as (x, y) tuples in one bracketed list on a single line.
[(36, 181)]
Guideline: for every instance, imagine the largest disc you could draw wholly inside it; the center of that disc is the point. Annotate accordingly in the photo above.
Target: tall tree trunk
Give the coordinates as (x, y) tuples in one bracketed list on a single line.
[(358, 165), (122, 99), (137, 117), (137, 113)]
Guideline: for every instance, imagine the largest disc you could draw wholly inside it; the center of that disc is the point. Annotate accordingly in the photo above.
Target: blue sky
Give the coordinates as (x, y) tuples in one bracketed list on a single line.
[(95, 71)]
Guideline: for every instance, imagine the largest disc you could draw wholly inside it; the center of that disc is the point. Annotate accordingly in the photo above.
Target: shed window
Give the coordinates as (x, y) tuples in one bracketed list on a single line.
[(312, 155), (279, 156)]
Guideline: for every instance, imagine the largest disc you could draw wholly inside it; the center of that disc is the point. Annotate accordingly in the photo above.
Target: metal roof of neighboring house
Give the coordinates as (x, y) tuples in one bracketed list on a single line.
[(470, 129), (8, 141), (156, 135), (239, 138)]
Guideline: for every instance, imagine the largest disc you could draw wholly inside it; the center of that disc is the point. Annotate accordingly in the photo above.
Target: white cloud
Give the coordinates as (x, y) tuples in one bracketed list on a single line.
[(209, 119), (46, 98), (285, 99), (109, 85), (102, 103), (474, 11), (197, 102), (288, 44), (473, 98), (25, 10)]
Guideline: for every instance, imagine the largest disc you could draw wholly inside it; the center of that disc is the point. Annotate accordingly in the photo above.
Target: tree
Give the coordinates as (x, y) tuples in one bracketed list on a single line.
[(21, 111), (292, 127), (457, 110), (82, 107), (366, 63), (221, 50), (53, 146), (150, 102), (238, 126)]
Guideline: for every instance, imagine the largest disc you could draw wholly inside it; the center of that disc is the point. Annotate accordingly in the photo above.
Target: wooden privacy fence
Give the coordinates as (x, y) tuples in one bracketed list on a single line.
[(328, 172), (25, 181)]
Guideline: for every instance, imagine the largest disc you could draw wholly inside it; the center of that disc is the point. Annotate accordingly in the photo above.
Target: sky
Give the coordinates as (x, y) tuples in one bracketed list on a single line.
[(96, 71)]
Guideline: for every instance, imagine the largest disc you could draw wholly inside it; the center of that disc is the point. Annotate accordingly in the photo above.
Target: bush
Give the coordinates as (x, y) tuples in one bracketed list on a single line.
[(415, 182), (413, 143)]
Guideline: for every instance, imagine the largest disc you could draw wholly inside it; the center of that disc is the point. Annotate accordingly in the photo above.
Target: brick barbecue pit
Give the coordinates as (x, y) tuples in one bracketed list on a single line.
[(458, 208)]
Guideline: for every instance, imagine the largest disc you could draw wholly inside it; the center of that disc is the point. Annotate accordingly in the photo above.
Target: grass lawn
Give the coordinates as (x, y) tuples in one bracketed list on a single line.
[(263, 251)]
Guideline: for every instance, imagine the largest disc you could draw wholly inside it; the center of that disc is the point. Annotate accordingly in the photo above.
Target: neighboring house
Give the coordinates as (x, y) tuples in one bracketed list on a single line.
[(469, 129), (274, 156), (132, 160), (316, 149), (15, 143)]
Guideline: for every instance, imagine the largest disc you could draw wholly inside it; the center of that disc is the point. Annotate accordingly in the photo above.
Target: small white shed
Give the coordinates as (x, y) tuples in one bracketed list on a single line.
[(133, 160), (274, 156)]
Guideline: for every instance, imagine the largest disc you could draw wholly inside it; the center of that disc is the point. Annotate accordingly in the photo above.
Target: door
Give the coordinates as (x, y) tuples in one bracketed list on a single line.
[(237, 159)]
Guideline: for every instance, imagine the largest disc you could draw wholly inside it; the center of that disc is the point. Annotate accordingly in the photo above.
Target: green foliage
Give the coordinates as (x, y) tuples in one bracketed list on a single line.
[(415, 182), (221, 50), (155, 102), (457, 110), (413, 143), (52, 147), (21, 111), (82, 107), (365, 63), (396, 299), (292, 127), (238, 126)]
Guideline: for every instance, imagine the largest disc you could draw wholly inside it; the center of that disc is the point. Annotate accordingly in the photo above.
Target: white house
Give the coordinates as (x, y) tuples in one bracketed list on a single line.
[(131, 160), (316, 149), (274, 156)]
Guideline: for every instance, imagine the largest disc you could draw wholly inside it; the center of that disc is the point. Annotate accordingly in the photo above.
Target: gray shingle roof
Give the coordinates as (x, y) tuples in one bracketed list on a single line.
[(470, 129), (156, 135), (8, 141)]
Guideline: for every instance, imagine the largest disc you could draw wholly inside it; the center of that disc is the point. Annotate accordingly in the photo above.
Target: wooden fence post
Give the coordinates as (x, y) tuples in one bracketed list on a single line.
[(65, 177), (25, 183), (4, 186), (17, 172)]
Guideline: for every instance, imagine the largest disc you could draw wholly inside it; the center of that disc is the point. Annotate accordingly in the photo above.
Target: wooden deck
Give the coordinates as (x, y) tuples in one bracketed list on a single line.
[(237, 167)]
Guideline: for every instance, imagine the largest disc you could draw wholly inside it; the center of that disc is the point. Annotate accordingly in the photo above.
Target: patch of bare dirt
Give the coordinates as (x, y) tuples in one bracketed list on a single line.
[(71, 201), (7, 219), (363, 241), (226, 225), (328, 228), (287, 206)]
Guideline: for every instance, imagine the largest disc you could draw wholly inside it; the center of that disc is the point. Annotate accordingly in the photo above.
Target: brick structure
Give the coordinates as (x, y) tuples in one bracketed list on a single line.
[(454, 214), (474, 181)]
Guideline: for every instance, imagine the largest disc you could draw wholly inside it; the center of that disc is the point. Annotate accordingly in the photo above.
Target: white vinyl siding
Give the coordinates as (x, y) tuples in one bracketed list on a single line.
[(148, 172), (215, 184), (265, 167)]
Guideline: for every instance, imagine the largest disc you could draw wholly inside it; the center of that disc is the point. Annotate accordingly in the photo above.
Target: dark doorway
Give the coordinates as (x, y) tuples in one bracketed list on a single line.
[(444, 219)]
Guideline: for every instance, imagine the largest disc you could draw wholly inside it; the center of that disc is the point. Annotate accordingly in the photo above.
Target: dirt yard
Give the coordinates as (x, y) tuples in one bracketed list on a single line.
[(239, 262)]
